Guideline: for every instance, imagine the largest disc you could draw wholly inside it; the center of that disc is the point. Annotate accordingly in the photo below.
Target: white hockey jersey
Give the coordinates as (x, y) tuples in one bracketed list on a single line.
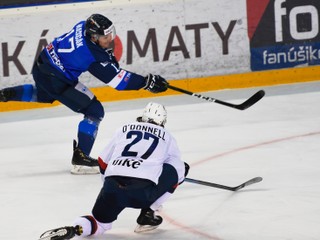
[(139, 150)]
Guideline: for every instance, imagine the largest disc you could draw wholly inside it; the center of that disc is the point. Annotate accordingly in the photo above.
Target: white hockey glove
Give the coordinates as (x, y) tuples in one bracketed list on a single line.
[(155, 83)]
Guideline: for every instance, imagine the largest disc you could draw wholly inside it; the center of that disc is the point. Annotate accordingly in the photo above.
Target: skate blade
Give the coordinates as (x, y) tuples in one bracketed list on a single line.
[(84, 170), (144, 228), (52, 234)]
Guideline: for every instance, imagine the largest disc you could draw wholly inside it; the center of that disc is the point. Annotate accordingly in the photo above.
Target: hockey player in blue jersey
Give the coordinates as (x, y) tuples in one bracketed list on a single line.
[(85, 48)]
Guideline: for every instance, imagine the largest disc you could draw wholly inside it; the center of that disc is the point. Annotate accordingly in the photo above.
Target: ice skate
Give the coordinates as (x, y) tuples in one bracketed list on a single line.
[(83, 164), (6, 94), (61, 233), (147, 221)]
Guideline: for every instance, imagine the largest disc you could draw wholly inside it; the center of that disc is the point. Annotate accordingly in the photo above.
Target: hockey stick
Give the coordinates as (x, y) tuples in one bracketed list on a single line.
[(248, 103), (215, 185)]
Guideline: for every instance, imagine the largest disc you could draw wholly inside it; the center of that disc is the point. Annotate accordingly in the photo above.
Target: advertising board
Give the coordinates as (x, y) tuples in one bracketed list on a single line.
[(192, 39), (283, 33)]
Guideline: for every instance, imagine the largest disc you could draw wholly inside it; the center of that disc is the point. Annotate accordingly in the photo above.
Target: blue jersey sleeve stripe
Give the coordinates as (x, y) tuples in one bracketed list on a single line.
[(124, 82)]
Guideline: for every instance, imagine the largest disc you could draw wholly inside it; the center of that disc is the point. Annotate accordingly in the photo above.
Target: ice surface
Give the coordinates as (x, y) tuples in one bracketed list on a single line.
[(277, 139)]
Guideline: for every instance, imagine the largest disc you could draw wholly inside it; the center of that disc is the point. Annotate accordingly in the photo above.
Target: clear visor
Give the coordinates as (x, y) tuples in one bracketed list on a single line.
[(111, 30)]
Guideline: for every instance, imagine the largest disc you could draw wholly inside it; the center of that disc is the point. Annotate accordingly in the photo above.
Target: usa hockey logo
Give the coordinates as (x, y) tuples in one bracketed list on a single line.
[(283, 33)]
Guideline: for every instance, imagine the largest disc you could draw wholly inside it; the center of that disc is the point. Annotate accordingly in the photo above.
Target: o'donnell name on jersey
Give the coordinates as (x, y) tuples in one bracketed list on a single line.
[(153, 130)]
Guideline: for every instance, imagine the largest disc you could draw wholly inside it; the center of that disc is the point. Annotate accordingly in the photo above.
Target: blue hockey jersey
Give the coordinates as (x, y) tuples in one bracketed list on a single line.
[(74, 53)]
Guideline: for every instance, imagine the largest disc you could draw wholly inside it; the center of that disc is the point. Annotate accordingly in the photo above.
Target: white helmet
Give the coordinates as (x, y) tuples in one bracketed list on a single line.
[(154, 113)]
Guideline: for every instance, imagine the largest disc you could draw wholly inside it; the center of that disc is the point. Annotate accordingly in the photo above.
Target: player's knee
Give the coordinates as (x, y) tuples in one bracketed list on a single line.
[(95, 110), (94, 113), (169, 178)]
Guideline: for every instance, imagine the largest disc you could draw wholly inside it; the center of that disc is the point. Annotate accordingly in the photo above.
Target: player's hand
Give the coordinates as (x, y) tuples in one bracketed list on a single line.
[(186, 167), (186, 171), (155, 83)]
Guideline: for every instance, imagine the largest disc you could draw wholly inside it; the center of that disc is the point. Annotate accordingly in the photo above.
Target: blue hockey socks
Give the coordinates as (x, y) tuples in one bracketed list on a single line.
[(87, 132), (22, 93)]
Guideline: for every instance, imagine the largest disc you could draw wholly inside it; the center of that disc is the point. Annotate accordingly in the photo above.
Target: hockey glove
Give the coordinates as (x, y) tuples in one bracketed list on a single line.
[(186, 167), (155, 83), (186, 172)]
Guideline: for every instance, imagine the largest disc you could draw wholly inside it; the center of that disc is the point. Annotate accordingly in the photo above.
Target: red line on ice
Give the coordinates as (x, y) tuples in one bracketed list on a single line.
[(253, 146), (206, 235)]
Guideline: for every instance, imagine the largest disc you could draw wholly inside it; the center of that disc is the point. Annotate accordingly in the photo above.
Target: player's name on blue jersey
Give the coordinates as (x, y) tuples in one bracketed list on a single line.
[(79, 36)]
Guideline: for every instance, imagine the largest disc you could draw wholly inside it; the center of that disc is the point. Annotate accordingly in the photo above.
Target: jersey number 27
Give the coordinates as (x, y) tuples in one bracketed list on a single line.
[(137, 137)]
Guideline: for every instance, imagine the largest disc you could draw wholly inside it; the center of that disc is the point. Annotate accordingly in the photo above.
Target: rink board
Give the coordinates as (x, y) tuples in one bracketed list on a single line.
[(246, 80)]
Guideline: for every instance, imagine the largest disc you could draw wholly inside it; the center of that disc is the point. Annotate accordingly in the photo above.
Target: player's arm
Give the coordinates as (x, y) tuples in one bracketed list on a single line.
[(120, 79), (181, 169), (174, 159)]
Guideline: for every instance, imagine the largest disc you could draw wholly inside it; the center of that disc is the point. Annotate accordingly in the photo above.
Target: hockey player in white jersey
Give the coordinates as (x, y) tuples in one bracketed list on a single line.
[(141, 168)]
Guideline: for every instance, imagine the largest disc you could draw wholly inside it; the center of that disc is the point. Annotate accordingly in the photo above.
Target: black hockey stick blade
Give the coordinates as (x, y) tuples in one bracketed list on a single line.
[(215, 185), (250, 101), (246, 104)]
